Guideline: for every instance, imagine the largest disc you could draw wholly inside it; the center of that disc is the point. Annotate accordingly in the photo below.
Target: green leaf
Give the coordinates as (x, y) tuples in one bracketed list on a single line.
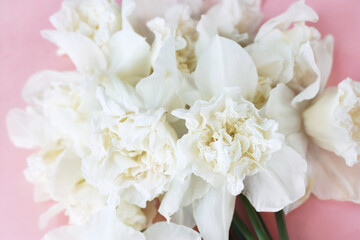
[(281, 225)]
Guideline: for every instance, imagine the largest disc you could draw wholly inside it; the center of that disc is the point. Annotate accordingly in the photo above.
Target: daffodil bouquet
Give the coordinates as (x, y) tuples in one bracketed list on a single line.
[(176, 107)]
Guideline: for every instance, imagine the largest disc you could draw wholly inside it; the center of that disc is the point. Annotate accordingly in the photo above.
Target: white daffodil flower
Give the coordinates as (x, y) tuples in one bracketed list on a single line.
[(97, 36), (232, 148), (132, 153), (96, 19), (227, 140), (333, 121), (58, 121), (107, 225), (285, 50), (326, 135), (61, 108), (133, 156), (229, 148)]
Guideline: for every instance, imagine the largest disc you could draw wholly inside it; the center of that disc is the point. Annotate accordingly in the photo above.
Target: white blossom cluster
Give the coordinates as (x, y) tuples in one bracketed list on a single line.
[(178, 106)]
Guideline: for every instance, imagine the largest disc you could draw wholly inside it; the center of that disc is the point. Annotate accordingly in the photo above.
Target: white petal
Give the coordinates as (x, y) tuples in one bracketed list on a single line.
[(159, 89), (273, 59), (281, 183), (170, 231), (225, 64), (65, 175), (145, 11), (181, 194), (26, 130), (120, 105), (184, 216), (49, 214), (213, 213), (40, 82), (297, 12), (323, 51), (103, 225), (188, 91), (130, 55), (172, 200), (279, 108), (83, 51), (64, 233), (333, 178), (307, 65)]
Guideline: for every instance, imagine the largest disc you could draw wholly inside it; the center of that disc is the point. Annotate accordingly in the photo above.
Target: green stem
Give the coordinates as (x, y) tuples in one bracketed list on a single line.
[(281, 225), (254, 219), (264, 225), (241, 231)]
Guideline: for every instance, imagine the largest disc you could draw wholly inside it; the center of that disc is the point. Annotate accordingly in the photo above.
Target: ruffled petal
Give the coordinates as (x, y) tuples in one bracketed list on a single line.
[(233, 19), (297, 12)]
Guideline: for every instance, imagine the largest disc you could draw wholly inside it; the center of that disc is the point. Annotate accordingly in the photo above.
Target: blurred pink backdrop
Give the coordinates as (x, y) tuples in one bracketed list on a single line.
[(23, 52)]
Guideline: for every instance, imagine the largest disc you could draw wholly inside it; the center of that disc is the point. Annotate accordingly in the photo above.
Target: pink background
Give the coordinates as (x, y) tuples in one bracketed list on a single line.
[(23, 52)]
